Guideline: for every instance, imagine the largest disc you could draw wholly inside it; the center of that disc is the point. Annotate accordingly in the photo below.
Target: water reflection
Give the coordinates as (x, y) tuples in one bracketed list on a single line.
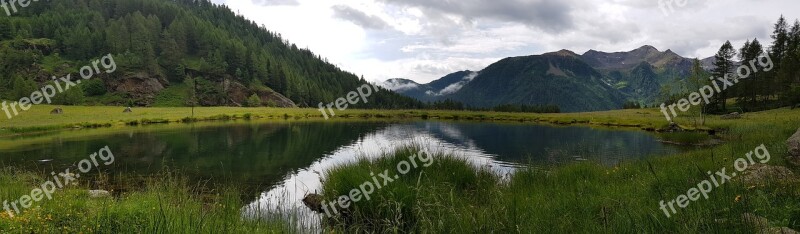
[(283, 161), (501, 147)]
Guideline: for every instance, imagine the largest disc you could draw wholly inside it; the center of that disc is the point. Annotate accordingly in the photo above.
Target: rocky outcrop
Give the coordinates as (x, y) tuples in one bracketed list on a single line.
[(99, 194), (272, 98), (57, 111), (762, 173), (143, 88), (314, 202), (734, 115), (793, 143), (237, 95), (140, 87), (762, 225)]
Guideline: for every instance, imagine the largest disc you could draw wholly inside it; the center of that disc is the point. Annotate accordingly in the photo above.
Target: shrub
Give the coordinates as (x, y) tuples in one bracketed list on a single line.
[(254, 101), (94, 87)]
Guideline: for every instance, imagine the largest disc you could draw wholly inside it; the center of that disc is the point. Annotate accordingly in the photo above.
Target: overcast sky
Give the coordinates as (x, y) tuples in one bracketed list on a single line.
[(424, 40)]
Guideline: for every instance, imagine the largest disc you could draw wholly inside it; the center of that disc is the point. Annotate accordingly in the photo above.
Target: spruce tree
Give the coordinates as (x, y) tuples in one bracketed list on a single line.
[(723, 66)]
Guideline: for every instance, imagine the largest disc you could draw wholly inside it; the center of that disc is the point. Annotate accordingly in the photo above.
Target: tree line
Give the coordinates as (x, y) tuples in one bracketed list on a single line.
[(772, 86), (449, 104), (178, 41)]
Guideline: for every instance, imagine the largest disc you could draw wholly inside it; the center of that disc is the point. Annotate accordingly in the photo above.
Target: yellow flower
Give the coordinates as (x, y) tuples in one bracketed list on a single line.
[(738, 198)]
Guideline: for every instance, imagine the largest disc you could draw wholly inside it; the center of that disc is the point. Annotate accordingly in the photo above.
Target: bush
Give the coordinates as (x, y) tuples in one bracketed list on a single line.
[(254, 101), (72, 96), (94, 87)]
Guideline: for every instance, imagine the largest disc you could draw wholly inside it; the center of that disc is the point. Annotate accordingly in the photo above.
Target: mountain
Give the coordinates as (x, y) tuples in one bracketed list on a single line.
[(641, 72), (708, 63), (604, 61), (164, 51), (592, 81), (561, 78), (434, 91)]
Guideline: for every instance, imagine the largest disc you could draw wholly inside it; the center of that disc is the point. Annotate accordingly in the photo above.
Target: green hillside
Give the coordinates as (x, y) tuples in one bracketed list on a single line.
[(164, 49), (559, 78)]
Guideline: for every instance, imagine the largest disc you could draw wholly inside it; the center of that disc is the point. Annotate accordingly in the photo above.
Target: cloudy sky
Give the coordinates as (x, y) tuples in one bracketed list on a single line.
[(424, 40)]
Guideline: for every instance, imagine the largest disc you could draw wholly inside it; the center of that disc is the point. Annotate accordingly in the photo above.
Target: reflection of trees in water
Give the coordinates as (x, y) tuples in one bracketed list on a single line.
[(537, 144), (252, 154)]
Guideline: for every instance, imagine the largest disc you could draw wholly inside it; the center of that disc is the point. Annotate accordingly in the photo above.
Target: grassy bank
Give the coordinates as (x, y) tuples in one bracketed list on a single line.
[(162, 205), (39, 119), (449, 196), (453, 196)]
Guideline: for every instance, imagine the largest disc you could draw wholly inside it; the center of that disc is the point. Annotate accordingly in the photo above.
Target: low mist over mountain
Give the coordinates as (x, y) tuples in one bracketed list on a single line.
[(433, 91), (593, 81)]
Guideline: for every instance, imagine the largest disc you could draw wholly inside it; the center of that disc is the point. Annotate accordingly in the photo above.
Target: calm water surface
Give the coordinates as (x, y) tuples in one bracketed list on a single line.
[(283, 161)]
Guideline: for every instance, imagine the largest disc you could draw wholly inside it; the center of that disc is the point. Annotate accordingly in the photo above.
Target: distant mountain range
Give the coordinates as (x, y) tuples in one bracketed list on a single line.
[(590, 82)]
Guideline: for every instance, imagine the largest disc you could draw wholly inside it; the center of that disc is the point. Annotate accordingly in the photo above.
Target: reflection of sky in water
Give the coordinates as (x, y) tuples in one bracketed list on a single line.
[(286, 196), (500, 147), (287, 157)]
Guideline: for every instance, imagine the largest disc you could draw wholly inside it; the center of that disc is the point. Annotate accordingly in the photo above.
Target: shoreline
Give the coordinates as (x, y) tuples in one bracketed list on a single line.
[(39, 120)]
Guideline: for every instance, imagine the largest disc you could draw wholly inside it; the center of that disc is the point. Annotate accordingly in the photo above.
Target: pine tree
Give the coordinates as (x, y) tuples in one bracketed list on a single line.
[(118, 37), (749, 87), (723, 66), (23, 87), (789, 74), (778, 52), (5, 28), (171, 56)]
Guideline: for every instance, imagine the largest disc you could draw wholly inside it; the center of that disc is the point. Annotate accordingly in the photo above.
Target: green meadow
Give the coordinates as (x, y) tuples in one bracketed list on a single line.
[(451, 196)]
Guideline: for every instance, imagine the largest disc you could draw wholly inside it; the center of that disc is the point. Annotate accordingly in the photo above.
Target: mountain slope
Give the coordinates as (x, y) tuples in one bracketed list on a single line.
[(434, 91), (639, 73), (559, 78), (163, 48), (593, 81)]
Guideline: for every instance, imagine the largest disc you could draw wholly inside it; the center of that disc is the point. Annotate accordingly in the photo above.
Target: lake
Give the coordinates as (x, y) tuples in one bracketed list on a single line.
[(280, 162)]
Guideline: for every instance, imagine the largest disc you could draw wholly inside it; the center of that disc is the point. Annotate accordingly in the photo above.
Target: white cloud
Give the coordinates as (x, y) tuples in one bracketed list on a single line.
[(423, 40), (452, 88), (396, 85)]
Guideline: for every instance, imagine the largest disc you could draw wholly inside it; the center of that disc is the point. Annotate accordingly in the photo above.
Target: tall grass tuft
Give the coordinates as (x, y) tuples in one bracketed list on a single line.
[(166, 204), (453, 196)]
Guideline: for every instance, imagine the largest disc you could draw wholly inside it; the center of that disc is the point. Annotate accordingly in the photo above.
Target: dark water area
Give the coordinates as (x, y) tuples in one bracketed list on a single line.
[(279, 162)]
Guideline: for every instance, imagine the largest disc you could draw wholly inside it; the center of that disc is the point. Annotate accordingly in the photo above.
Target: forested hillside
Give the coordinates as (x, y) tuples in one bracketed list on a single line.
[(642, 77), (169, 53), (559, 78)]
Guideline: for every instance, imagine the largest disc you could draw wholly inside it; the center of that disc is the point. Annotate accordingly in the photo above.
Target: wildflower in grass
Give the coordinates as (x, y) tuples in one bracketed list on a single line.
[(738, 198)]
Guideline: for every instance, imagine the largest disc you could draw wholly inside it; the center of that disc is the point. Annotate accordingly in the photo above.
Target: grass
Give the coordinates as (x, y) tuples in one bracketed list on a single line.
[(165, 204), (685, 138), (455, 196), (449, 196), (38, 118), (174, 95), (422, 200)]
